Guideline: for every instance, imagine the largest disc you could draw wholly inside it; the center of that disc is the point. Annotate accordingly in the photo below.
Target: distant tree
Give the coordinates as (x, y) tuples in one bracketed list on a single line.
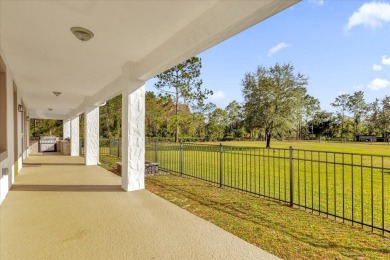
[(218, 120), (154, 114), (310, 106), (45, 127), (111, 118), (373, 118), (273, 97), (234, 111), (341, 102), (358, 108), (197, 125), (183, 83), (385, 117), (323, 124), (379, 116)]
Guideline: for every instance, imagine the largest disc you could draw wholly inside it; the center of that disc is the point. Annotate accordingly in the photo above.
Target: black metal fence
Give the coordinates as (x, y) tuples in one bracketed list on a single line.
[(106, 147), (349, 187)]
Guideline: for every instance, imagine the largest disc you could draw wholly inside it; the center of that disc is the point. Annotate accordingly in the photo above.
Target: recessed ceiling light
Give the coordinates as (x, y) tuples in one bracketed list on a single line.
[(57, 93), (81, 33)]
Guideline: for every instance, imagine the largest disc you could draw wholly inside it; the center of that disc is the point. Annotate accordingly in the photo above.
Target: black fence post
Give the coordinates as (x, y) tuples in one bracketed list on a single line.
[(181, 159), (220, 165), (291, 176), (155, 152)]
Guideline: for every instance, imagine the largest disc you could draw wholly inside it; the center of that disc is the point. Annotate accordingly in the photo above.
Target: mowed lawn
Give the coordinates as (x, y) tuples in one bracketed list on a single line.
[(377, 148), (288, 233), (344, 185)]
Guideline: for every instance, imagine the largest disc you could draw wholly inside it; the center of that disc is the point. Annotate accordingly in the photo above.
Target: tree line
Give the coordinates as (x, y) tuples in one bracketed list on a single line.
[(275, 105)]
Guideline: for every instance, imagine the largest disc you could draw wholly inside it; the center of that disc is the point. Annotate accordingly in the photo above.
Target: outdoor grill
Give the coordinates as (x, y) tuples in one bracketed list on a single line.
[(47, 143)]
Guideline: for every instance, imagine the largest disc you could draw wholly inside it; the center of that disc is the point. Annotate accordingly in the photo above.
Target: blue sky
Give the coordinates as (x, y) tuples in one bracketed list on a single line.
[(342, 46)]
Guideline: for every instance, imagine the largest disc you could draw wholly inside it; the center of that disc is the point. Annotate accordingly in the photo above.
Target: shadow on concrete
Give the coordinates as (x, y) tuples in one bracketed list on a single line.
[(42, 164), (68, 188), (49, 154)]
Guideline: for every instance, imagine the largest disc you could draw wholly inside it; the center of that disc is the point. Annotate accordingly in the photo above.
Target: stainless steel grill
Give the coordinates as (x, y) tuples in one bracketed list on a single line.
[(47, 143)]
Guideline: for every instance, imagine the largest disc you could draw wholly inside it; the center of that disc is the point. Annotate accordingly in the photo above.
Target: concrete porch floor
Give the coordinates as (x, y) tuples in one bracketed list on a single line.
[(61, 209)]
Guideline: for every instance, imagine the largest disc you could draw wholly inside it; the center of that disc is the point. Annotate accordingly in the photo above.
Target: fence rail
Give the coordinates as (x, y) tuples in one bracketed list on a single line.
[(349, 187)]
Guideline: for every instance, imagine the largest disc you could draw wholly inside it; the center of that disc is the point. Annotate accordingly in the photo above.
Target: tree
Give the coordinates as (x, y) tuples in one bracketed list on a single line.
[(373, 117), (384, 121), (218, 120), (111, 118), (154, 112), (358, 108), (341, 103), (45, 127), (323, 124), (273, 97), (379, 117), (184, 80), (234, 112), (310, 106)]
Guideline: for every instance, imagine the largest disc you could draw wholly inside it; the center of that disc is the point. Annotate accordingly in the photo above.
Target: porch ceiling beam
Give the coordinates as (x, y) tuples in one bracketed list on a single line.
[(111, 90), (43, 115)]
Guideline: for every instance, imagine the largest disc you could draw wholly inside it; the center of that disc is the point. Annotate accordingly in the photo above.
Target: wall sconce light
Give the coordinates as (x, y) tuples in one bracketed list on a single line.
[(20, 108), (27, 118)]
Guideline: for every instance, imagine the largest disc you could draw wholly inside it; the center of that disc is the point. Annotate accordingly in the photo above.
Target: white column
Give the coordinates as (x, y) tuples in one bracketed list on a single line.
[(91, 136), (75, 136), (65, 128), (133, 132)]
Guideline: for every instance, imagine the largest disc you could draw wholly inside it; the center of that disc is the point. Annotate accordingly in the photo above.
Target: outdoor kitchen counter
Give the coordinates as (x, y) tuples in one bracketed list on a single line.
[(64, 147)]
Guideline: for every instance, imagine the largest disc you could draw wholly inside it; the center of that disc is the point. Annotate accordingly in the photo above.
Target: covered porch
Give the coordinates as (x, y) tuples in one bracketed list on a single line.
[(67, 206), (60, 208), (48, 73)]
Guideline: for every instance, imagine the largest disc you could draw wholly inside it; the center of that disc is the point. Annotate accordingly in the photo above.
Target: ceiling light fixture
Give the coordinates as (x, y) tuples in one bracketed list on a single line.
[(81, 33), (50, 109), (57, 93)]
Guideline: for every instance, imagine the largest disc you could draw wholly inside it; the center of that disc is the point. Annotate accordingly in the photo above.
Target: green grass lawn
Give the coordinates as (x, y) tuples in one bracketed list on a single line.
[(377, 148), (288, 233), (346, 185)]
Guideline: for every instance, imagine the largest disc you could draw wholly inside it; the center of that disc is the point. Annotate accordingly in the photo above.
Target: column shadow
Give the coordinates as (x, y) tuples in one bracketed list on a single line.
[(67, 188)]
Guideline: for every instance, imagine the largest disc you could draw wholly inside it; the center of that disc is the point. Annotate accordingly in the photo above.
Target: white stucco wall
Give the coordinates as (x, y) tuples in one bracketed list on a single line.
[(7, 180), (19, 133)]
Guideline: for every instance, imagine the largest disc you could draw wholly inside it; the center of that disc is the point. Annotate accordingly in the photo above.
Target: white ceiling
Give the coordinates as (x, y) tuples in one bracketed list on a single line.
[(44, 56)]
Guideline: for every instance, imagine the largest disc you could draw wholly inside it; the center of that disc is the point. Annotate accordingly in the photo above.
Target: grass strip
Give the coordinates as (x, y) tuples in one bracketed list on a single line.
[(288, 233)]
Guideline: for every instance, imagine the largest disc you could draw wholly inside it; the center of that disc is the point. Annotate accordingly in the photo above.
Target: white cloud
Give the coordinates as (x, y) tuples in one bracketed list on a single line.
[(277, 48), (376, 67), (385, 60), (378, 84), (317, 2), (373, 15), (217, 95)]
